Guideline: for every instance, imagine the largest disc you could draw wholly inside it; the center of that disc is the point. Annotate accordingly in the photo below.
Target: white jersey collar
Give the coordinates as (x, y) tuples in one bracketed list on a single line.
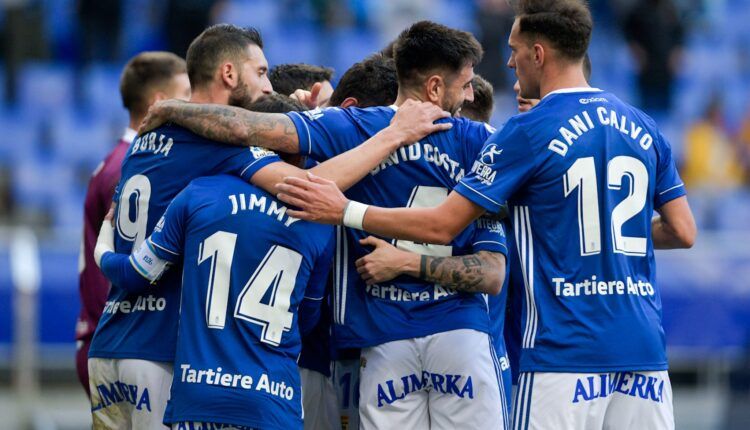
[(573, 90), (129, 135)]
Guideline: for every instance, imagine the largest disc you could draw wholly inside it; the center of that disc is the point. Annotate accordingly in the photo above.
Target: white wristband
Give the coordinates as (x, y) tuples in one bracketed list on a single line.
[(354, 214), (105, 242)]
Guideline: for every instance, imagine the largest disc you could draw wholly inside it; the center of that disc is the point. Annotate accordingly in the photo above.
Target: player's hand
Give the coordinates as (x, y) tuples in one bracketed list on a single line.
[(315, 198), (384, 263), (110, 215), (105, 242), (158, 114), (415, 120), (309, 99)]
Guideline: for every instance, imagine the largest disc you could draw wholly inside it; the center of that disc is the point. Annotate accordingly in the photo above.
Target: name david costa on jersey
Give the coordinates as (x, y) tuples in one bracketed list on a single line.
[(218, 377)]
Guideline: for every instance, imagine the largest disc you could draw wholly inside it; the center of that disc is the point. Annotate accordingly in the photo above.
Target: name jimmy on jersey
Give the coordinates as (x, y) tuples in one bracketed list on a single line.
[(254, 202)]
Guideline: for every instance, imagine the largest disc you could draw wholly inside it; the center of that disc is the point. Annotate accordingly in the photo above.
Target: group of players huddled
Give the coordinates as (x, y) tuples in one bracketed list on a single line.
[(235, 305)]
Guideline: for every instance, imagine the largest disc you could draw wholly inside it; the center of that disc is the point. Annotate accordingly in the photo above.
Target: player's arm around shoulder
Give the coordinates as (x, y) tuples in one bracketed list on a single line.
[(481, 272), (228, 124)]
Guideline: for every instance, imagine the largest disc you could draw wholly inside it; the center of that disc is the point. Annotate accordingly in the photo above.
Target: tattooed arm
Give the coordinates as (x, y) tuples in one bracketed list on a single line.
[(482, 272), (228, 124)]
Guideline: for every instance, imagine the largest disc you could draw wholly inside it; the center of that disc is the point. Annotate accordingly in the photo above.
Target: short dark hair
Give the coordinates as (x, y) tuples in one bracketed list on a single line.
[(481, 108), (426, 46), (144, 73), (275, 103), (388, 50), (565, 24), (218, 43), (372, 82), (287, 78)]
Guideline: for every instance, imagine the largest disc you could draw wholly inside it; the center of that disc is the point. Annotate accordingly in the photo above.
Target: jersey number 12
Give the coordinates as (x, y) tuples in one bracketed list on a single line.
[(583, 174)]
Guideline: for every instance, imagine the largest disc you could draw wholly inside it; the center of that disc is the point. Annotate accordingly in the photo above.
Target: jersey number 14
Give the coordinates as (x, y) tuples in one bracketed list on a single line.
[(277, 271)]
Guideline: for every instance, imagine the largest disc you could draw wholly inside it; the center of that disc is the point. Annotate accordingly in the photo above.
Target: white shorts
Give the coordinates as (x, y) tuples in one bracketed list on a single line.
[(318, 401), (346, 381), (448, 380), (128, 393), (583, 401)]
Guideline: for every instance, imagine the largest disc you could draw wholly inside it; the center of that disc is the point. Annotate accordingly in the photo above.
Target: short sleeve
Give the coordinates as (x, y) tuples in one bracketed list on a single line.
[(169, 234), (246, 162), (489, 235), (316, 286), (669, 185), (504, 164), (325, 133)]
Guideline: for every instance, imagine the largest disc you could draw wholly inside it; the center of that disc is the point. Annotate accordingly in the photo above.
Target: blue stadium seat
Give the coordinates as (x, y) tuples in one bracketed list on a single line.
[(38, 184), (734, 211), (81, 138), (45, 88), (20, 135), (102, 89)]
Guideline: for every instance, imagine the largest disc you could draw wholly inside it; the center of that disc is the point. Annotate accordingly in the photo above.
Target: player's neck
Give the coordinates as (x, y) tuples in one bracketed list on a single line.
[(135, 122), (558, 79), (207, 95), (405, 94)]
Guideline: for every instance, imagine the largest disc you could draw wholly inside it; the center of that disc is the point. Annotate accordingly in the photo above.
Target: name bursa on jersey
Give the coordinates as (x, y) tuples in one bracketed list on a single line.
[(627, 383), (148, 143), (393, 390), (236, 380)]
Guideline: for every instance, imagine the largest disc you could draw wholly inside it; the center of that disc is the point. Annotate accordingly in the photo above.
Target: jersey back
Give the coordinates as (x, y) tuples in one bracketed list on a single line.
[(419, 175), (247, 267), (157, 166), (582, 173)]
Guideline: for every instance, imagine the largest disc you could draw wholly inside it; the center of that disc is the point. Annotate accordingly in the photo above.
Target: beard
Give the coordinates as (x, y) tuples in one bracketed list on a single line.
[(241, 95)]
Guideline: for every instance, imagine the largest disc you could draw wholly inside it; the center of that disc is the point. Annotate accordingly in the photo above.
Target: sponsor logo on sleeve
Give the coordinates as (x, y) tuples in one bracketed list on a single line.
[(259, 152)]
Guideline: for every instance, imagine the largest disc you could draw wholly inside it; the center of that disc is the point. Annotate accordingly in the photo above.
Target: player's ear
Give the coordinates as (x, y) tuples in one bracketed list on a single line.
[(435, 87), (158, 96), (229, 75), (538, 54), (349, 102)]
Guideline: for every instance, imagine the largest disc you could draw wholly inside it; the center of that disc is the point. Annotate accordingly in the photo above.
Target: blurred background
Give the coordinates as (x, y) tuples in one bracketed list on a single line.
[(685, 62)]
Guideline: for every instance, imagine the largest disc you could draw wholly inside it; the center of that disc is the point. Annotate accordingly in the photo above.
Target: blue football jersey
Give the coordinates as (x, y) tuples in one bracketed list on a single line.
[(418, 175), (582, 173), (247, 267), (157, 166)]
